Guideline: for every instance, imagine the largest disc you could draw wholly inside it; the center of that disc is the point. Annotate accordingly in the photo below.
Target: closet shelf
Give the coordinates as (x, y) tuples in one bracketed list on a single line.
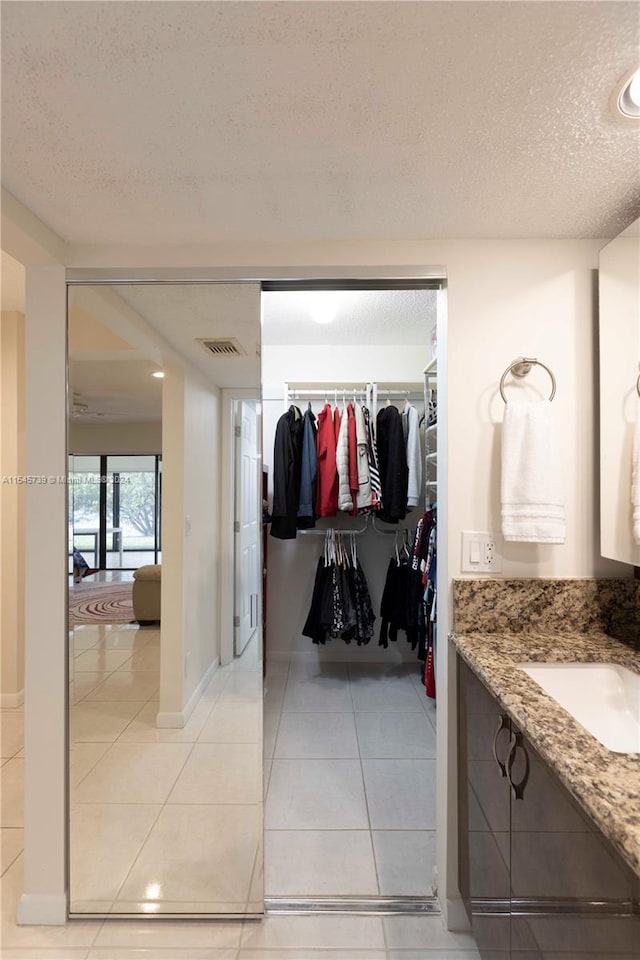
[(432, 366)]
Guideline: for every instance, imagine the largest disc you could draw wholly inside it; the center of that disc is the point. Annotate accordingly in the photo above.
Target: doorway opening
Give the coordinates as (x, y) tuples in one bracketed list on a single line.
[(350, 728)]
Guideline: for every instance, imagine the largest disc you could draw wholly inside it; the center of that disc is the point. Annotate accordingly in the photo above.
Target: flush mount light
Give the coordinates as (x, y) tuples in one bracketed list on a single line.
[(159, 374), (626, 99), (324, 305)]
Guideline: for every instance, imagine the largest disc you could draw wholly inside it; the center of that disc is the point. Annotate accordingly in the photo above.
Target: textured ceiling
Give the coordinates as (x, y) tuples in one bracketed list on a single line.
[(383, 317), (184, 313), (289, 121), (116, 390)]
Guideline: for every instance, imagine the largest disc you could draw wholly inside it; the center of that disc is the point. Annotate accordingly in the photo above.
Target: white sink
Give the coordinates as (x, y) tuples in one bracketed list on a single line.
[(603, 697)]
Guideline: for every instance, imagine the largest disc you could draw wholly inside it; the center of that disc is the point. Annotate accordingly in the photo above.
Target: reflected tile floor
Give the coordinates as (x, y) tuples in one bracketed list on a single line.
[(371, 733)]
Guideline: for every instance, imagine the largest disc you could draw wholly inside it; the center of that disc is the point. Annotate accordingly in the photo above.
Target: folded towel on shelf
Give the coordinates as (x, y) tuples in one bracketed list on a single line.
[(635, 478), (532, 495)]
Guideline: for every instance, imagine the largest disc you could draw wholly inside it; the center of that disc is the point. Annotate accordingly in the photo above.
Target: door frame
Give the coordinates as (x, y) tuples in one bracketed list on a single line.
[(228, 510)]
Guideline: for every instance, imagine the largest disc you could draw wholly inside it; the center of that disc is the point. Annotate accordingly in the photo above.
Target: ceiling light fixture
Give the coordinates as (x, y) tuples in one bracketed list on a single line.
[(626, 100), (323, 307), (159, 374)]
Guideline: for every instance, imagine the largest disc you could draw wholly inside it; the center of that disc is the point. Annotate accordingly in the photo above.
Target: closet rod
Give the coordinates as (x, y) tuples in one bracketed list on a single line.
[(313, 532), (390, 394)]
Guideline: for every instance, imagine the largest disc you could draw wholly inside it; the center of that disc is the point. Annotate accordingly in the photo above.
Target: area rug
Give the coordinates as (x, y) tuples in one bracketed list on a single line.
[(100, 603)]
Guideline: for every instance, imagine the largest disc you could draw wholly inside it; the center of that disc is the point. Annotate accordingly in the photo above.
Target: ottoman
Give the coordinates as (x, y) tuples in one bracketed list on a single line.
[(146, 593)]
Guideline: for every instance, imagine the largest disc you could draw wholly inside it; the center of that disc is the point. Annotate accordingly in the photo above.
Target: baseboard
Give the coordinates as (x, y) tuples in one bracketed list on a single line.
[(9, 701), (42, 909), (341, 656), (454, 914), (176, 720)]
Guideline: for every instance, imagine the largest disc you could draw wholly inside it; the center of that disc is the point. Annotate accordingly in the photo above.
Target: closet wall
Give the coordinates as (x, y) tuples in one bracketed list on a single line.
[(292, 563)]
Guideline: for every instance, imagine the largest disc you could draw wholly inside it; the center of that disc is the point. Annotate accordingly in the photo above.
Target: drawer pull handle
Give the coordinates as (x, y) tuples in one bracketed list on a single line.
[(503, 725), (518, 788)]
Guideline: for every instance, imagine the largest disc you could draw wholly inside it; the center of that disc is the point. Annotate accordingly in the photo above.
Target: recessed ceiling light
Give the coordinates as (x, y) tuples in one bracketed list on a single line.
[(158, 373), (324, 306), (627, 96)]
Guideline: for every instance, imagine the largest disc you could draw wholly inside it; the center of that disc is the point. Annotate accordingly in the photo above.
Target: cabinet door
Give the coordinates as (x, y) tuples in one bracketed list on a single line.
[(484, 816), (571, 892)]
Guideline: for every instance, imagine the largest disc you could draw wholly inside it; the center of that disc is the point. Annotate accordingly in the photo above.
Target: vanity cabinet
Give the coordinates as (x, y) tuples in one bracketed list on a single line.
[(538, 879)]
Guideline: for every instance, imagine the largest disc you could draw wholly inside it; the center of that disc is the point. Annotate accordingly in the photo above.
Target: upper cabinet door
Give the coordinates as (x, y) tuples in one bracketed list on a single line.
[(619, 293)]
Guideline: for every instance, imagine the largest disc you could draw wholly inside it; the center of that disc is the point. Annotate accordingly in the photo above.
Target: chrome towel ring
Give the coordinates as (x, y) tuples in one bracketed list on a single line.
[(522, 366)]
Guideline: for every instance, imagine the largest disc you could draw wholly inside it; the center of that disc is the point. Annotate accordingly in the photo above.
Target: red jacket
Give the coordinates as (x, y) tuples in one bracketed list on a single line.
[(327, 477), (353, 458)]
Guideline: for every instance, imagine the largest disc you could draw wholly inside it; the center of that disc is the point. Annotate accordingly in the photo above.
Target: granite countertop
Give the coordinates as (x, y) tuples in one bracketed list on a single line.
[(606, 784)]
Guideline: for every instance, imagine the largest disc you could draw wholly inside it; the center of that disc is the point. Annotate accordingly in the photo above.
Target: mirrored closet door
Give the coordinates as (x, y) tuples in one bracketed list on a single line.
[(165, 704)]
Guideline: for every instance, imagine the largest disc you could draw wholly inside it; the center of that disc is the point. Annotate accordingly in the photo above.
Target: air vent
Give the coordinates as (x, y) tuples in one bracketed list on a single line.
[(223, 347)]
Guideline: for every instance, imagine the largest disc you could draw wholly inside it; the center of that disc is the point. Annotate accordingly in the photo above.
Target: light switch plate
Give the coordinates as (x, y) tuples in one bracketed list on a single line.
[(481, 552)]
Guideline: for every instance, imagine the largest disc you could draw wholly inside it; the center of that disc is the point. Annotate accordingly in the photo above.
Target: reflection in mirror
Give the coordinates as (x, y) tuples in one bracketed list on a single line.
[(619, 285), (165, 711)]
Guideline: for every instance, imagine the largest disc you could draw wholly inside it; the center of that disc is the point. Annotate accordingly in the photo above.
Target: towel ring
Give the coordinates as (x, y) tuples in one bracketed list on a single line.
[(522, 366)]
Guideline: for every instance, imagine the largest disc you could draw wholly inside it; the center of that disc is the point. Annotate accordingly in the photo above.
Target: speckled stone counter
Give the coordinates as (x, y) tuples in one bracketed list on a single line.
[(606, 784)]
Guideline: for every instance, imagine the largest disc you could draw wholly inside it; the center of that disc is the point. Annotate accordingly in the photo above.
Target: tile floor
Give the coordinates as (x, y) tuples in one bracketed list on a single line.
[(350, 774), (155, 806)]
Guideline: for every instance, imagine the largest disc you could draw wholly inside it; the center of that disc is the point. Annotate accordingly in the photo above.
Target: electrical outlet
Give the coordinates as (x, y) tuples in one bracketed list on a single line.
[(481, 552)]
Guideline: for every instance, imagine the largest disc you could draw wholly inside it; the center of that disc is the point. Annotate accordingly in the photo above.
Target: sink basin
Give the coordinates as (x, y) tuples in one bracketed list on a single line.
[(603, 697)]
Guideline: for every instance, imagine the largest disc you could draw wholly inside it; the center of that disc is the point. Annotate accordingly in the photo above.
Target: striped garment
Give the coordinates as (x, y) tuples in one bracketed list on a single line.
[(374, 471)]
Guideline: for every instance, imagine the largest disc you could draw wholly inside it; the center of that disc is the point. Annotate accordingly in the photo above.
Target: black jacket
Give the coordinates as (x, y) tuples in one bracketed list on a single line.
[(392, 457), (287, 463)]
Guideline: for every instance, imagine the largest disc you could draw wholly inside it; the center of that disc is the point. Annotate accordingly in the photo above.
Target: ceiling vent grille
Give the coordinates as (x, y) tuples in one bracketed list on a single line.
[(223, 347)]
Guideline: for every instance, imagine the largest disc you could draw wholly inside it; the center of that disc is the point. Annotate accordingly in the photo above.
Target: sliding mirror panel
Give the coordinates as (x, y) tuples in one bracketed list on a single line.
[(165, 693)]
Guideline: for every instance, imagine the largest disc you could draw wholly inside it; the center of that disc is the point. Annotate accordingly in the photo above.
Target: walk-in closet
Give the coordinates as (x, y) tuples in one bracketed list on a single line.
[(350, 425)]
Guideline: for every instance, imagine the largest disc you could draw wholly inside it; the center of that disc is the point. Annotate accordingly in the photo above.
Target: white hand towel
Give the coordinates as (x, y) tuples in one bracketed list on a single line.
[(532, 494), (635, 478)]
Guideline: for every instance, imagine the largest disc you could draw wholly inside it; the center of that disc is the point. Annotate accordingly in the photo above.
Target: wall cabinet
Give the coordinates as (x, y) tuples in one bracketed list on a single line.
[(539, 880)]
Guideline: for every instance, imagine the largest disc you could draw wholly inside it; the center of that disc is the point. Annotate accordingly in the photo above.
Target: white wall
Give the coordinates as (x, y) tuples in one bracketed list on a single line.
[(12, 500), (115, 438), (191, 541)]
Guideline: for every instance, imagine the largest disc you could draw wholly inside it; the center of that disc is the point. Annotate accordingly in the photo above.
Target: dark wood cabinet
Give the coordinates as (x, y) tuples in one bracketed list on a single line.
[(539, 880)]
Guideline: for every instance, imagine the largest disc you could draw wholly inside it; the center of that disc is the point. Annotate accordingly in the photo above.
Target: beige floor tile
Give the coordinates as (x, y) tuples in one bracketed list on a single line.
[(441, 953), (243, 685), (185, 909), (50, 953), (313, 932), (395, 736), (405, 860), (143, 729), (424, 932), (126, 685), (316, 795), (144, 658), (234, 721), (197, 853), (319, 863), (11, 732), (11, 846), (98, 659), (301, 953), (83, 683), (270, 730), (134, 773), (78, 934), (321, 735), (401, 794), (220, 773), (175, 953), (12, 793), (101, 720), (83, 758), (105, 839), (145, 934), (215, 686)]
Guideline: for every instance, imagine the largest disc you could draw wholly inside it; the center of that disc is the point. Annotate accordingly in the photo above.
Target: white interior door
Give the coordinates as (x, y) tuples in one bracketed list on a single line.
[(247, 525)]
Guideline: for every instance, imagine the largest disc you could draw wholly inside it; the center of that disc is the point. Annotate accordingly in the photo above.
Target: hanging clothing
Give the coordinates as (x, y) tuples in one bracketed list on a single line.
[(353, 458), (392, 457), (411, 432), (345, 501), (287, 467), (340, 605), (363, 500), (308, 472), (327, 485), (374, 470)]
